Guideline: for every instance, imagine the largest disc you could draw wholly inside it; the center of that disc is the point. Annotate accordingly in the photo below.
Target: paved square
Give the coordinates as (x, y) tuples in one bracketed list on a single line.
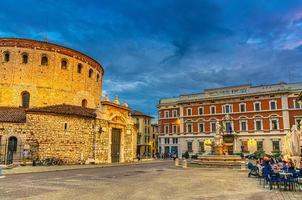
[(148, 181)]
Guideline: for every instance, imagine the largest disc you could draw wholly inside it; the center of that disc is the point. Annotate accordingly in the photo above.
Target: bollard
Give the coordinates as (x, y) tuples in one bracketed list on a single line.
[(176, 162), (185, 164), (243, 167), (1, 174)]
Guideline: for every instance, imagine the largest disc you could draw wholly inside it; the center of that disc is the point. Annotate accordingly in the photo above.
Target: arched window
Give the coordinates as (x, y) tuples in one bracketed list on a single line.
[(90, 73), (64, 64), (44, 60), (12, 144), (84, 103), (25, 99), (80, 67), (97, 77), (6, 56), (24, 58)]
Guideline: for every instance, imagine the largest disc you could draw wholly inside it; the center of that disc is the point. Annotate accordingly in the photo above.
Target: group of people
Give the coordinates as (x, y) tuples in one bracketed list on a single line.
[(276, 164)]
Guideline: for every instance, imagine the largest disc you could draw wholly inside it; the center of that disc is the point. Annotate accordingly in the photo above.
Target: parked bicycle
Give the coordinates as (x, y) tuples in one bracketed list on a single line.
[(49, 162)]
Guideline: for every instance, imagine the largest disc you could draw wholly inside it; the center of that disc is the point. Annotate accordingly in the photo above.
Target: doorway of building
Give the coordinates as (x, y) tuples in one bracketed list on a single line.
[(115, 145), (174, 150), (228, 149), (11, 149)]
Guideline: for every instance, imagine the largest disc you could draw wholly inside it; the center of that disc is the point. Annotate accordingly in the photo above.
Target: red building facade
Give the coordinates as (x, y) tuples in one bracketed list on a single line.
[(245, 113)]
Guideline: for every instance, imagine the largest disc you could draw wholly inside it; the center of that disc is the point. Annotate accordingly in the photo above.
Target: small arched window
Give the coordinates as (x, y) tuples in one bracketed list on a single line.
[(80, 67), (90, 73), (97, 77), (6, 56), (64, 64), (44, 60), (24, 58), (25, 99), (84, 103)]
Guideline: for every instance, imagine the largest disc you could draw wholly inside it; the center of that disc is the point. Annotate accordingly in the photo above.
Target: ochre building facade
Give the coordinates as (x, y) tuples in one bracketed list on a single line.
[(50, 107)]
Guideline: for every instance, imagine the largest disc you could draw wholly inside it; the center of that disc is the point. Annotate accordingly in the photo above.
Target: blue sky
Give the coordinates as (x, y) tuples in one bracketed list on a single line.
[(163, 48)]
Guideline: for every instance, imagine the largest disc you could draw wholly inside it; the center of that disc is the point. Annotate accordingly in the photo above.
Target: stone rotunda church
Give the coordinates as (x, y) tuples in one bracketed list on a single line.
[(50, 107)]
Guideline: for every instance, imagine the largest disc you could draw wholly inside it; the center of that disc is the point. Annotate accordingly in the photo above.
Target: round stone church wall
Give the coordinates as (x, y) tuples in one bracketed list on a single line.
[(35, 73)]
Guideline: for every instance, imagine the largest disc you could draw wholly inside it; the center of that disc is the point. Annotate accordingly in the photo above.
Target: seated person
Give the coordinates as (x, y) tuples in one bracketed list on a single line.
[(291, 165), (275, 168), (280, 165)]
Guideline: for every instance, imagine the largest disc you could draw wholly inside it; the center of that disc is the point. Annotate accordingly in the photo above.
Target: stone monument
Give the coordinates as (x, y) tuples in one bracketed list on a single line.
[(218, 144)]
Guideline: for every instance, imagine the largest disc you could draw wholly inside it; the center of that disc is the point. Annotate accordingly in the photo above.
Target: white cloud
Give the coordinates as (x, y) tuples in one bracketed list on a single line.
[(122, 86)]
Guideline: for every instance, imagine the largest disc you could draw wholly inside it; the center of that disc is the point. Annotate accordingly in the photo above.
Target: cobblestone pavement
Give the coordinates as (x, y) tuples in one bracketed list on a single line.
[(149, 181)]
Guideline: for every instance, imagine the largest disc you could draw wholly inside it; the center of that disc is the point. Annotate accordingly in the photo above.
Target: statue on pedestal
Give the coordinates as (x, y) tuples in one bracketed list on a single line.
[(295, 145), (218, 145)]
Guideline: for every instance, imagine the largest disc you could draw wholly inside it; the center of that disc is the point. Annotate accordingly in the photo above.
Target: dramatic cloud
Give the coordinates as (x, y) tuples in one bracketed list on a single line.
[(163, 48)]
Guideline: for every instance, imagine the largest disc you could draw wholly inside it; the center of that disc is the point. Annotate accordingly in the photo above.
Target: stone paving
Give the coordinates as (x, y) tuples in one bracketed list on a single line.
[(158, 181), (34, 169)]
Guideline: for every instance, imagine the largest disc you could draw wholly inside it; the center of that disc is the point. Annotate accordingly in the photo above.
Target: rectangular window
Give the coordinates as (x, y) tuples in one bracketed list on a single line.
[(258, 125), (244, 146), (189, 111), (274, 124), (189, 146), (201, 147), (200, 111), (276, 146), (297, 105), (175, 140), (259, 145), (273, 105), (242, 107), (257, 106), (166, 129), (166, 114), (228, 126), (174, 128), (213, 126), (298, 123), (213, 109), (189, 128), (227, 109), (167, 140), (243, 126), (201, 128), (174, 113)]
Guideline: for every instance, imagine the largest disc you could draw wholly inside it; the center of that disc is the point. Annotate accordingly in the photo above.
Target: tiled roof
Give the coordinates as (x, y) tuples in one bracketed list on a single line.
[(12, 114), (138, 113), (65, 110)]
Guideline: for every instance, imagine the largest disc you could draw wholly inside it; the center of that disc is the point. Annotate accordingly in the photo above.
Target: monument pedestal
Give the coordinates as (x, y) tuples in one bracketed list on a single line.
[(218, 161), (218, 150)]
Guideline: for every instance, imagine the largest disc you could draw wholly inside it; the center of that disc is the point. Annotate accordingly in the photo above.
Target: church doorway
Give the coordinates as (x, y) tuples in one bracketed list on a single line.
[(11, 149), (115, 145)]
